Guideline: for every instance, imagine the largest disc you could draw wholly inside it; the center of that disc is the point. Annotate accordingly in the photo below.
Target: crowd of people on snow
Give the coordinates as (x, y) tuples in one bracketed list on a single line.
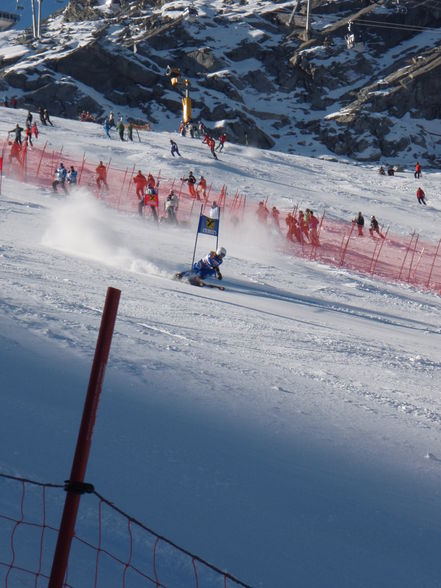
[(200, 131), (12, 103), (124, 131), (302, 226), (18, 137)]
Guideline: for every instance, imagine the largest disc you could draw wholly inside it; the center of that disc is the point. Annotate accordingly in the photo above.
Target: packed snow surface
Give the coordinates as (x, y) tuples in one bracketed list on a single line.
[(286, 429)]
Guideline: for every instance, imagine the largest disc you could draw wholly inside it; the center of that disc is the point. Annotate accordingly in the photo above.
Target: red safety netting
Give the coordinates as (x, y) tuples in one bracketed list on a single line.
[(37, 165), (395, 258), (110, 548)]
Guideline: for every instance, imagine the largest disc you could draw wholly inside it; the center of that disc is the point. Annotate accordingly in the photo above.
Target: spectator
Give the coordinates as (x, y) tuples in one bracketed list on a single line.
[(60, 178), (141, 183), (375, 228), (417, 173), (201, 188), (72, 176), (46, 117), (171, 208), (360, 224), (101, 176), (214, 211), (17, 131)]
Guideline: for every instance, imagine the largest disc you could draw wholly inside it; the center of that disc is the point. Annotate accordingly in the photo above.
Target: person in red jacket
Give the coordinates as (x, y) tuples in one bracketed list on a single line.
[(293, 228), (101, 175), (313, 225), (15, 152), (28, 136), (141, 183), (151, 199), (421, 196), (303, 226), (34, 130), (222, 138), (417, 173), (211, 144)]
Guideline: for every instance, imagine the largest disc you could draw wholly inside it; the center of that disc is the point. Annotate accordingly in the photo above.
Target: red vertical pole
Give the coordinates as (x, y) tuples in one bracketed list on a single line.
[(75, 485), (379, 252), (407, 253), (41, 158), (417, 264), (1, 173), (343, 254), (413, 257), (122, 186), (82, 168), (130, 180), (433, 264), (371, 265), (180, 188), (52, 163)]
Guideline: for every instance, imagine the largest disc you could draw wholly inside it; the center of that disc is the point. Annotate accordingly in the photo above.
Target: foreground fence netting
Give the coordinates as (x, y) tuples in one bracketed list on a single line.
[(397, 258), (110, 548)]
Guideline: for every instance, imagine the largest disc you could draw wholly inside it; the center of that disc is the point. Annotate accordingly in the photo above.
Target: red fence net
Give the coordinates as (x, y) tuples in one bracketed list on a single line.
[(395, 258), (109, 549)]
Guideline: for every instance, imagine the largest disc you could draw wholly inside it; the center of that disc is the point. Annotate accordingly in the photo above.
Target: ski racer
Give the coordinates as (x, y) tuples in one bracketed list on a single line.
[(206, 267)]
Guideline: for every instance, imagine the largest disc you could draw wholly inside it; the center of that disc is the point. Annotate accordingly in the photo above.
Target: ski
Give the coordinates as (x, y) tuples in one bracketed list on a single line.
[(197, 282), (221, 288)]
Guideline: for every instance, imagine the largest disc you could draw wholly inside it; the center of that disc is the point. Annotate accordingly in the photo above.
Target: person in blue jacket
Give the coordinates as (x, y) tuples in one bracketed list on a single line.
[(174, 148), (206, 267)]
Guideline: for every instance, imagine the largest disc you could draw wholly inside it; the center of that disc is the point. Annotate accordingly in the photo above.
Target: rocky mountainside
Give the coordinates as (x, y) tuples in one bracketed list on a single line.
[(364, 82)]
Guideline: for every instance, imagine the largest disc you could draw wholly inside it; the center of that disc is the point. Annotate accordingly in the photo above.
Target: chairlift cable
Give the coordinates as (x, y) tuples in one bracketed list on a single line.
[(396, 26)]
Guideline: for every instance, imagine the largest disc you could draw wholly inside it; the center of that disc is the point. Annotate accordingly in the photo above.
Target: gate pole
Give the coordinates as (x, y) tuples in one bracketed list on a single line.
[(75, 485)]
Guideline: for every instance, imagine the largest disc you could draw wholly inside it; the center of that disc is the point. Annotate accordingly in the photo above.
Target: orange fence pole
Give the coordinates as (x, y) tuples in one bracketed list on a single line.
[(342, 258), (130, 180), (407, 253), (418, 263), (433, 264), (412, 258), (41, 158), (82, 168), (379, 251), (122, 186)]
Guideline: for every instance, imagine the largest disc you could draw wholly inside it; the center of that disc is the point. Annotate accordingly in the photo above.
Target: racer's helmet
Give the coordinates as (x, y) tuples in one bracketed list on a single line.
[(221, 251)]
